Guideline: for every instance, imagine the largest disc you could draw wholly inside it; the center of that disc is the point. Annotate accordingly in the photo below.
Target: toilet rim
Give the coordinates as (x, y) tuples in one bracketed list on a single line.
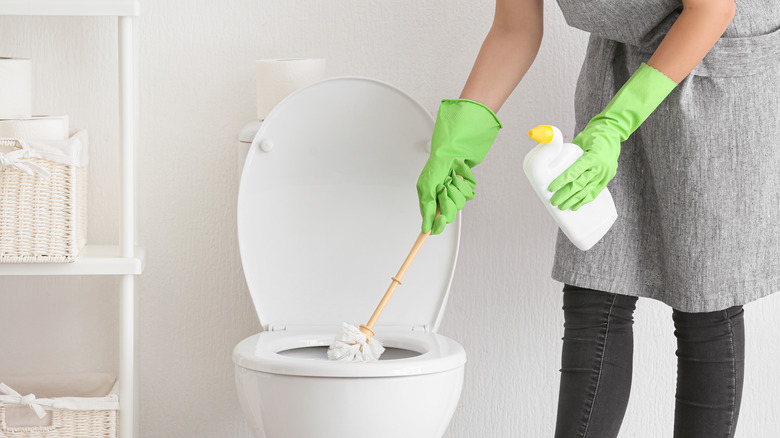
[(258, 352)]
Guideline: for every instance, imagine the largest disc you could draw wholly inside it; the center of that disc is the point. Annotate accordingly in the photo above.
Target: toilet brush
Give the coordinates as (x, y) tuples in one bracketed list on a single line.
[(354, 344)]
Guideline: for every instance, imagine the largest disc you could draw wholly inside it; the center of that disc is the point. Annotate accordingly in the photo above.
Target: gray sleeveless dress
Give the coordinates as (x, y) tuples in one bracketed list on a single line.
[(698, 184)]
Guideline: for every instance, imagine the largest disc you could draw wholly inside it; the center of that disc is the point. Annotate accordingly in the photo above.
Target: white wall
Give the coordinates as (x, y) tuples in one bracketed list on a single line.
[(197, 92)]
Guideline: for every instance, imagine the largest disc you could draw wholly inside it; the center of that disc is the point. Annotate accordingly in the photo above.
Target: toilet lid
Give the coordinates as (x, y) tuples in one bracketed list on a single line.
[(328, 210)]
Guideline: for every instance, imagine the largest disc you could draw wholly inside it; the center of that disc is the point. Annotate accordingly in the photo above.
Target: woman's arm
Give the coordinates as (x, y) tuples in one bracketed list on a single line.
[(466, 128), (507, 53), (693, 34)]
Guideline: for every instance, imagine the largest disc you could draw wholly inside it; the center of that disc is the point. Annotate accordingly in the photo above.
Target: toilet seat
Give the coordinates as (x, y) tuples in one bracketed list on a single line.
[(260, 353)]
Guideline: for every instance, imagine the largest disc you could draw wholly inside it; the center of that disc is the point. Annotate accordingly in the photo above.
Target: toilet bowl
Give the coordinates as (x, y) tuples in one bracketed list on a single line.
[(327, 212)]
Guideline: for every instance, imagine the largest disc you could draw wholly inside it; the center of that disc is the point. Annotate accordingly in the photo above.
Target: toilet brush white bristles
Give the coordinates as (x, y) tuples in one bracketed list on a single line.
[(352, 345)]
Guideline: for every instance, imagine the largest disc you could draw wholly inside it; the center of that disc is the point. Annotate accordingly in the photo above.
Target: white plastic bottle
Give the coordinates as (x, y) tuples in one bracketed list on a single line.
[(547, 161)]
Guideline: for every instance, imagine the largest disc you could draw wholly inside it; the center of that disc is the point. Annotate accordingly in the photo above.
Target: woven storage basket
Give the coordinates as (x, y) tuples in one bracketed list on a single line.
[(42, 220), (66, 417)]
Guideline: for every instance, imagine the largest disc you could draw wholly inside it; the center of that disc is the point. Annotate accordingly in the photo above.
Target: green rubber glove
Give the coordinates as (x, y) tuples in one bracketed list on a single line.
[(463, 134), (632, 104)]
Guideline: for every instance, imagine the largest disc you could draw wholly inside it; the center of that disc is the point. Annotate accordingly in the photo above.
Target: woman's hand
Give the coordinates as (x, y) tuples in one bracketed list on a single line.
[(632, 104), (584, 180), (463, 134)]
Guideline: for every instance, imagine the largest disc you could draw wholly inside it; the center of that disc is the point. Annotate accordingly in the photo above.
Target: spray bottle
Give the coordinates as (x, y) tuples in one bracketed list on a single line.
[(550, 158)]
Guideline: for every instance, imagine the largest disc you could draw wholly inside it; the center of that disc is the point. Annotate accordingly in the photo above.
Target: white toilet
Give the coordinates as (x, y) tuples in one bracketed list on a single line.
[(327, 212)]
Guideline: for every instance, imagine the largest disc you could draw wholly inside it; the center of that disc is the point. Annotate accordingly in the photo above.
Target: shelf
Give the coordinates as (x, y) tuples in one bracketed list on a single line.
[(93, 260), (70, 7), (108, 259)]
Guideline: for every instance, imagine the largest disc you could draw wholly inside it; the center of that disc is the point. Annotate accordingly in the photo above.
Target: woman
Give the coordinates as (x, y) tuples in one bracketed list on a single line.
[(696, 187)]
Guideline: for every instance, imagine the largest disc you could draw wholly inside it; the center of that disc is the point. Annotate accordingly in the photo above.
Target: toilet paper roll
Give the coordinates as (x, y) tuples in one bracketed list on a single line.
[(36, 128), (15, 88), (277, 78)]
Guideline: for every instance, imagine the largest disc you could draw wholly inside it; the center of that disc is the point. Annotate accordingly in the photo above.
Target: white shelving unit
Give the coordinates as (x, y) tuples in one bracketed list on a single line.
[(127, 259)]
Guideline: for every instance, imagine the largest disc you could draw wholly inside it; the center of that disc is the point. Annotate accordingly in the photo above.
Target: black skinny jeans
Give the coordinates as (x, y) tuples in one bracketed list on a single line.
[(596, 367)]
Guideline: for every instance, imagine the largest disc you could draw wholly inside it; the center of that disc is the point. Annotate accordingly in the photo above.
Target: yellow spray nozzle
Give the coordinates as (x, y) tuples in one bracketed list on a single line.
[(541, 134)]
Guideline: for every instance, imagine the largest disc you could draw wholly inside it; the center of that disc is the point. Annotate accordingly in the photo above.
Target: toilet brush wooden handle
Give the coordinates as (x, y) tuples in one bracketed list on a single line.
[(367, 328)]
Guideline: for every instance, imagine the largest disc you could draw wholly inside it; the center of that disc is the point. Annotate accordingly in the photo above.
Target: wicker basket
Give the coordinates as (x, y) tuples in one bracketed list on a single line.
[(42, 220), (94, 416)]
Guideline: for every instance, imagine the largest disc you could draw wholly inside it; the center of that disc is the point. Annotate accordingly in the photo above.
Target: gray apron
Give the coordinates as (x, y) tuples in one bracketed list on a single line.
[(698, 184)]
